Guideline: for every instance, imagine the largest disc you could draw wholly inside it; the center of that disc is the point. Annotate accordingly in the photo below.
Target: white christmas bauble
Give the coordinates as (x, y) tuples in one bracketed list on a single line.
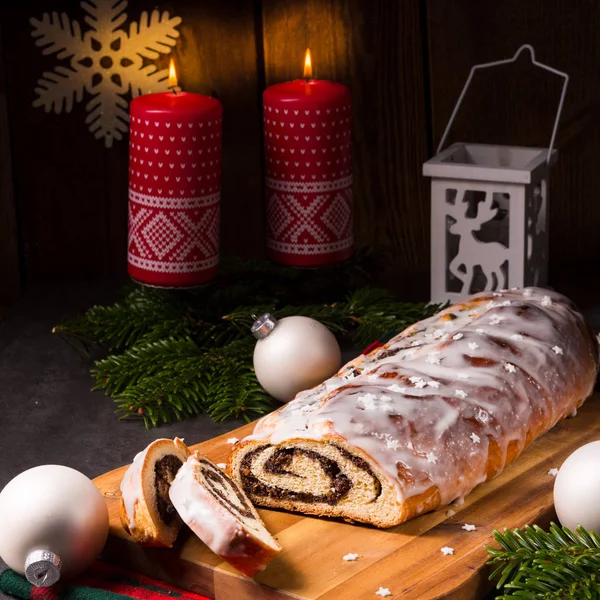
[(577, 489), (296, 354), (53, 523)]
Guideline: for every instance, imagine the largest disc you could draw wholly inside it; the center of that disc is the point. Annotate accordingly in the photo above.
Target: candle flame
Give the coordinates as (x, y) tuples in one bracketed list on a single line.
[(307, 65), (172, 74)]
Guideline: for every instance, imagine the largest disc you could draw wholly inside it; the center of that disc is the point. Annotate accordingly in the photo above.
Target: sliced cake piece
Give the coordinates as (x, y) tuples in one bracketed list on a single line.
[(221, 515), (146, 510)]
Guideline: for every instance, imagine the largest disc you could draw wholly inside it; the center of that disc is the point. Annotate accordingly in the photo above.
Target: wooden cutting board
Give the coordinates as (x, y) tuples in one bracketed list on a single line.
[(406, 559)]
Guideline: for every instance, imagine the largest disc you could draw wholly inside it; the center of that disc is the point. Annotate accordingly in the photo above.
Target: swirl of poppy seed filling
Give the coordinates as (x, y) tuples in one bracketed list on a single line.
[(165, 470), (279, 464), (223, 490)]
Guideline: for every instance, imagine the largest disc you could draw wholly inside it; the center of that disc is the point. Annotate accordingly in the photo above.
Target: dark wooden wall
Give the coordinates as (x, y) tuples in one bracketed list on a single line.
[(9, 256), (65, 194)]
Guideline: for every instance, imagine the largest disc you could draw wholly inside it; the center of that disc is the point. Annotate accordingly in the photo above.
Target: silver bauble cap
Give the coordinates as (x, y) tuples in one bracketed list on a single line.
[(42, 568), (263, 326)]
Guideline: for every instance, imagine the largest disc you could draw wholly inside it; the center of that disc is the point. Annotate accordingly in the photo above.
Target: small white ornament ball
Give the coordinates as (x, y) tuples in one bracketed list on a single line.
[(577, 489), (293, 354), (53, 523)]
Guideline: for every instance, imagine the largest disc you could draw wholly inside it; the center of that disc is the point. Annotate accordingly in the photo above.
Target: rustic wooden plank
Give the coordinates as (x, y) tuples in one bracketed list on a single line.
[(9, 248), (58, 165), (406, 558), (376, 50), (517, 104), (217, 56)]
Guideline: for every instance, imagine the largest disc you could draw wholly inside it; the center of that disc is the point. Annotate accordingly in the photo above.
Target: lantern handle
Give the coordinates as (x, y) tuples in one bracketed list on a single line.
[(505, 62)]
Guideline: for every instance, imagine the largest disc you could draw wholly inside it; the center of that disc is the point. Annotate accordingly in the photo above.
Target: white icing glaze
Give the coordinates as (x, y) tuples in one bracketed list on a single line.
[(216, 526), (421, 403)]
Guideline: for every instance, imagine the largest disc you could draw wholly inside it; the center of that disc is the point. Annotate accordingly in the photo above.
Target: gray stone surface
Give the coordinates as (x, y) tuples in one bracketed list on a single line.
[(48, 413)]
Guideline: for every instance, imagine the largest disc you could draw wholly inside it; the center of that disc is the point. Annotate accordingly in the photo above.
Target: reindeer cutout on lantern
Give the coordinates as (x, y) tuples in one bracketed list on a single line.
[(472, 251)]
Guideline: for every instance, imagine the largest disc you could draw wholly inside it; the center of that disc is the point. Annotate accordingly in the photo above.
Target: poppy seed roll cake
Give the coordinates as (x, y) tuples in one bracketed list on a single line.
[(216, 509), (421, 421), (147, 513)]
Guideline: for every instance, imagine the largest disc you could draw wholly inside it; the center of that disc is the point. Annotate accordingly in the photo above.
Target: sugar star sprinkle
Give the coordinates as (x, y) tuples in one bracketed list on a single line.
[(527, 293), (383, 592), (497, 319), (368, 401), (510, 367), (432, 458), (475, 438), (517, 337), (473, 345), (350, 556), (553, 472), (458, 336), (468, 527), (393, 444), (396, 388), (233, 440), (460, 393), (433, 358), (546, 301), (446, 550), (433, 384), (557, 349)]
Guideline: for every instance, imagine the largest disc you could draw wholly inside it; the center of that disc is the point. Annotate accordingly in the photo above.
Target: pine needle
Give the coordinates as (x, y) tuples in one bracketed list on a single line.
[(534, 564)]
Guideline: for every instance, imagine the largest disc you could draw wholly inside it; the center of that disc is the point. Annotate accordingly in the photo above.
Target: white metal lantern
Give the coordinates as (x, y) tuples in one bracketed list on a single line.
[(489, 210)]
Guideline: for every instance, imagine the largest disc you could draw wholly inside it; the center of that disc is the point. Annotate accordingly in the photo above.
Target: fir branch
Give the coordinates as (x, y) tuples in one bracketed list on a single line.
[(536, 564), (175, 378), (369, 313), (172, 354)]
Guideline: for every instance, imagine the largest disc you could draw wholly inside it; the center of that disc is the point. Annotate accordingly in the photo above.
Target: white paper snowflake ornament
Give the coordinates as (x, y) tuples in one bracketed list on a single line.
[(489, 207), (106, 61)]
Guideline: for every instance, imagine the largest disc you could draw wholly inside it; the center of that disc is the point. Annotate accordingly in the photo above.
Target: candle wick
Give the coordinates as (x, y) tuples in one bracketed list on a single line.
[(174, 90)]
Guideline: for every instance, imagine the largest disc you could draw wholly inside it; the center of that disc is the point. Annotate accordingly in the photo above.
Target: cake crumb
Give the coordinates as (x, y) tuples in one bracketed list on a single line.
[(446, 550), (233, 440), (383, 592), (553, 472), (350, 556), (469, 527)]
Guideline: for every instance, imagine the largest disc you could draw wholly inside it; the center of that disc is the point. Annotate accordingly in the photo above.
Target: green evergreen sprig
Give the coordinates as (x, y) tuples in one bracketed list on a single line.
[(173, 354), (536, 564)]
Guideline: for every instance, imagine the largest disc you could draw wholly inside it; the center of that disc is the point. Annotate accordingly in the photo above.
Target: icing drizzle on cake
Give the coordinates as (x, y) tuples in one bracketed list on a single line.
[(430, 404)]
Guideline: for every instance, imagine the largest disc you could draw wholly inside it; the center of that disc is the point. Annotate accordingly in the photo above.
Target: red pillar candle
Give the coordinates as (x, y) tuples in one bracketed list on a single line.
[(308, 151), (174, 189)]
